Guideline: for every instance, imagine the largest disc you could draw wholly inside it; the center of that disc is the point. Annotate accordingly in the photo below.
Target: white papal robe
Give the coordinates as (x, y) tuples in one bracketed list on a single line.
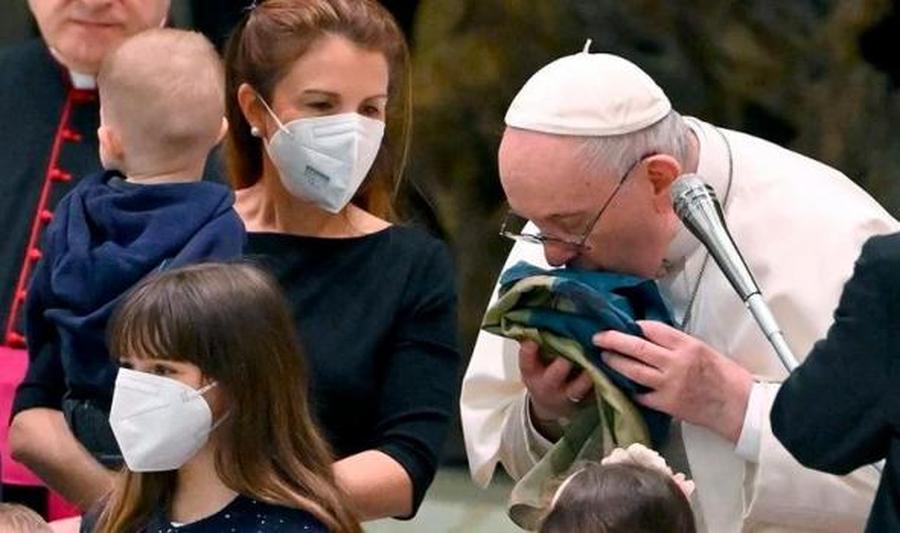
[(800, 226)]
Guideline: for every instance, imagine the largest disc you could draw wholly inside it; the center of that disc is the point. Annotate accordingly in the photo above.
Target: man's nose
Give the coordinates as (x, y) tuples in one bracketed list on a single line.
[(558, 254)]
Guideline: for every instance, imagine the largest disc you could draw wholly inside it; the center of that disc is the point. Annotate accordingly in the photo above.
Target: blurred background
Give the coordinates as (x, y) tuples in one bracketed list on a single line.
[(817, 76)]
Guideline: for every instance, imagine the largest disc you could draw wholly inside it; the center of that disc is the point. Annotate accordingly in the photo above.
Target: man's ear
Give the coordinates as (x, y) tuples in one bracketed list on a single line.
[(662, 171)]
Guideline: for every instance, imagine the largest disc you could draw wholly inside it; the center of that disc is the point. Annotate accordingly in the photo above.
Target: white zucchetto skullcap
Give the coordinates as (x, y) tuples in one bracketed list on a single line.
[(588, 94)]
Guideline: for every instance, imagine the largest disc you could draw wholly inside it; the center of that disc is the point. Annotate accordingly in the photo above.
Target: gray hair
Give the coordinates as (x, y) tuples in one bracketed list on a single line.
[(617, 153)]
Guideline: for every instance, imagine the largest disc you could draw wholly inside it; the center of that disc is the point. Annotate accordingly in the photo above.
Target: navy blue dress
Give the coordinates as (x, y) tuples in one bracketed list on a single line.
[(376, 316), (243, 514)]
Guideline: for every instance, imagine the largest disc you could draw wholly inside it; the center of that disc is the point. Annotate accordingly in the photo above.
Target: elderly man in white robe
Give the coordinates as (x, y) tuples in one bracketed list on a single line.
[(591, 135)]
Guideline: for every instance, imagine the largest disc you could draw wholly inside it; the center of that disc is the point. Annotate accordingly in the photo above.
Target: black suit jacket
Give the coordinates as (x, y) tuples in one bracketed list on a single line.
[(841, 408)]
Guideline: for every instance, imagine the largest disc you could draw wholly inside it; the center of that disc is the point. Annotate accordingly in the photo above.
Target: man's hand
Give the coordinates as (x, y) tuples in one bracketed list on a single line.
[(553, 392), (690, 380)]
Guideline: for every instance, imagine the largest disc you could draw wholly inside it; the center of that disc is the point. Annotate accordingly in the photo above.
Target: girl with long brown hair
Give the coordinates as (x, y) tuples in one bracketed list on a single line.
[(318, 106), (210, 409)]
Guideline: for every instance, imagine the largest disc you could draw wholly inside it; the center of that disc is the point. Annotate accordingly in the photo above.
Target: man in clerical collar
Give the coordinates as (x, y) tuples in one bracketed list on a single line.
[(49, 115), (79, 34)]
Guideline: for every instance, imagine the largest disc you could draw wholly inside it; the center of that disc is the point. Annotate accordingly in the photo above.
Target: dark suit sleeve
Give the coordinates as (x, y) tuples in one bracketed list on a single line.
[(832, 412)]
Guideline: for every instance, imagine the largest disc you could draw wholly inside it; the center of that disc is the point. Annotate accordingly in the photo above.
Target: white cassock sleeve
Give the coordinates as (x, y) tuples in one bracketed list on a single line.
[(493, 402)]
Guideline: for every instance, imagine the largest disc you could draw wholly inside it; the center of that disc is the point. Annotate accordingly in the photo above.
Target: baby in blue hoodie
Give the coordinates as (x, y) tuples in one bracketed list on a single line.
[(162, 111)]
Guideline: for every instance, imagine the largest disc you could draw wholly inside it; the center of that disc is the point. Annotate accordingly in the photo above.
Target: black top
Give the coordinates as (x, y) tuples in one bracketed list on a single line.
[(841, 408), (106, 236), (377, 318), (242, 515)]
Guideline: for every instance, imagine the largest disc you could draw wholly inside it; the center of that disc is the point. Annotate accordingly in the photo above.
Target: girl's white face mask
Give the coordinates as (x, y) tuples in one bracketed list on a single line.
[(325, 159), (160, 423)]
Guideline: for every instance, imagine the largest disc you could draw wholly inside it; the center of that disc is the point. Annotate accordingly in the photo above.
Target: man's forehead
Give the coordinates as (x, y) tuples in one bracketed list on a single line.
[(524, 154), (516, 139), (547, 170)]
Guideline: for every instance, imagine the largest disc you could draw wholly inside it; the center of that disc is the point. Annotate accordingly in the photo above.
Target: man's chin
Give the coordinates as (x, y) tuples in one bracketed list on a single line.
[(590, 266), (583, 265), (85, 56)]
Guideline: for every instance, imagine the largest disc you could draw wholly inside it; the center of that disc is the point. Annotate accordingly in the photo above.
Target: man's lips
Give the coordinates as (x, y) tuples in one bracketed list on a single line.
[(94, 24)]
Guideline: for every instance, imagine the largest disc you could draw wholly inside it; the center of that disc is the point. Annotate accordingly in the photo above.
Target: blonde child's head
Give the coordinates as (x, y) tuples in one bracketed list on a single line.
[(16, 518), (162, 103)]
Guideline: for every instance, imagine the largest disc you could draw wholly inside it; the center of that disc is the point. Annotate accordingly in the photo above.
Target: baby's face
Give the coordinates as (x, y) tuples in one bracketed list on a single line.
[(82, 32)]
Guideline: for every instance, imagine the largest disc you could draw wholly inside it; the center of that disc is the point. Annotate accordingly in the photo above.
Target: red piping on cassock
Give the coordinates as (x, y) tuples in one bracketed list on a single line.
[(43, 215)]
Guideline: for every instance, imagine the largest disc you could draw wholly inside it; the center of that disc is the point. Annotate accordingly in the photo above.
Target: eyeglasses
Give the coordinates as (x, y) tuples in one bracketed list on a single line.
[(579, 243)]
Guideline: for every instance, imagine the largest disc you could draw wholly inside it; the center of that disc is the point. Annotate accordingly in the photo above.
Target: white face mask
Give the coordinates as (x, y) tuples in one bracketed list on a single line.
[(159, 422), (325, 159)]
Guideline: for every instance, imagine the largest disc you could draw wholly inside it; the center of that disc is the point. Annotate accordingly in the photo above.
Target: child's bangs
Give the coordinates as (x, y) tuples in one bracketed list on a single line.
[(148, 326)]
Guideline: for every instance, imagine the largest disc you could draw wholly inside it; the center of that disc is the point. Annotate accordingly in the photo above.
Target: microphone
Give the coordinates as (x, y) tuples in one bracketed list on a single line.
[(698, 208)]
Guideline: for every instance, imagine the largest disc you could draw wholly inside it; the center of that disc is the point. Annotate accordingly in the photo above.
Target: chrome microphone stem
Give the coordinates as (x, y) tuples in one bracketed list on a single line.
[(766, 321), (696, 205)]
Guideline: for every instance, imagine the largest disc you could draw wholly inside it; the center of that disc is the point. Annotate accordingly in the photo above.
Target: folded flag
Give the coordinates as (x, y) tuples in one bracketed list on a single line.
[(561, 310)]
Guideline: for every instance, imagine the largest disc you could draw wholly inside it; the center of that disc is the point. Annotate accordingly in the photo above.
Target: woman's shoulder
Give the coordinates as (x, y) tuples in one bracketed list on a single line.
[(425, 256), (416, 238), (405, 242)]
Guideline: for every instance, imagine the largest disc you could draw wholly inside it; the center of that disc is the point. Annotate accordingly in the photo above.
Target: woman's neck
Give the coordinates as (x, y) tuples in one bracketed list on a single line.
[(267, 206), (199, 492)]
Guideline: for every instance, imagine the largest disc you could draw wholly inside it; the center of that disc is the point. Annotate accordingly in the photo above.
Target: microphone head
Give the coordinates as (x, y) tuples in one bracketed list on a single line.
[(698, 208), (687, 190)]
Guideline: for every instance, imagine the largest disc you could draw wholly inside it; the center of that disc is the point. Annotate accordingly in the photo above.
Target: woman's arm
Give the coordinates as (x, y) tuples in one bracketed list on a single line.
[(39, 436), (41, 439), (66, 525), (418, 391), (377, 485)]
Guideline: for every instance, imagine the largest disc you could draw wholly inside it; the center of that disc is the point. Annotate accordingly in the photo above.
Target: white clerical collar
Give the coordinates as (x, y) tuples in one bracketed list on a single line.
[(82, 81), (714, 166), (79, 80)]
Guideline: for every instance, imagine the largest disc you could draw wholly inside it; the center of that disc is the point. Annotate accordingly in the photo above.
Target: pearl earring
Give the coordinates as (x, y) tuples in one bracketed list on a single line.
[(254, 131)]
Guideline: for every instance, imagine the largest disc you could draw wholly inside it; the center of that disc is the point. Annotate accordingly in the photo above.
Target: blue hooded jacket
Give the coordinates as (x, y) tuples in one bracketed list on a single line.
[(106, 235)]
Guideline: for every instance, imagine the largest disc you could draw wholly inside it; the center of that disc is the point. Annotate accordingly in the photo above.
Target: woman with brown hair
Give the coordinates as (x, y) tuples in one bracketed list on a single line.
[(211, 413), (310, 87)]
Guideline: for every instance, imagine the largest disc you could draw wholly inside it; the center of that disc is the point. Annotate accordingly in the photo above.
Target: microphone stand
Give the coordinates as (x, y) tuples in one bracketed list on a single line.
[(696, 205), (742, 280), (766, 322)]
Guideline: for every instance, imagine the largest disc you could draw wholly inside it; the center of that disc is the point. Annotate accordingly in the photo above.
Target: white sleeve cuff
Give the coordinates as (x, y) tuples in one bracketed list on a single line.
[(537, 444), (747, 447)]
